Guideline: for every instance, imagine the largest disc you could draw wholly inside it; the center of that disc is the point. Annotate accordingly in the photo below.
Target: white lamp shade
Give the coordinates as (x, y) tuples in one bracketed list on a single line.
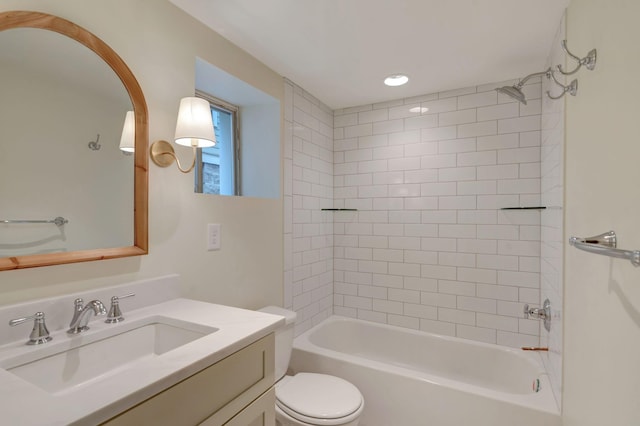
[(195, 124), (127, 141)]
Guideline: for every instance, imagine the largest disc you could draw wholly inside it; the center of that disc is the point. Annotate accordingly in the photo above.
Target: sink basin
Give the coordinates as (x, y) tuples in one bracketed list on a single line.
[(81, 360)]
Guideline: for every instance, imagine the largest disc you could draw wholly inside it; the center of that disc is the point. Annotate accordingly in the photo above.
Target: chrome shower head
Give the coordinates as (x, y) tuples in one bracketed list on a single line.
[(513, 92)]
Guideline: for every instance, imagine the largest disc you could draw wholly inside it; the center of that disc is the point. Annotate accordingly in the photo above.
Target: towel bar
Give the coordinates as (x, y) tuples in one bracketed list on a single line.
[(605, 244), (59, 221)]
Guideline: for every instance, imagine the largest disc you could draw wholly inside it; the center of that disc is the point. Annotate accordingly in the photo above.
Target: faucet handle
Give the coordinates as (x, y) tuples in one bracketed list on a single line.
[(39, 334), (115, 314), (77, 306), (543, 313)]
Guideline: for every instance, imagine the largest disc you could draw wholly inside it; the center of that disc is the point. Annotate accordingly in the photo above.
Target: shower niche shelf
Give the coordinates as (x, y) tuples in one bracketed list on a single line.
[(524, 208)]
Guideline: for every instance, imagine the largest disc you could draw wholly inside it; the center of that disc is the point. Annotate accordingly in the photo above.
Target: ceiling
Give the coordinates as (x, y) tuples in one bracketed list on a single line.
[(341, 50)]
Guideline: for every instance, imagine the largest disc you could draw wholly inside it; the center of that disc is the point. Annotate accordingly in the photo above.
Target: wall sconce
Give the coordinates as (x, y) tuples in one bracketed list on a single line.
[(194, 128), (127, 140)]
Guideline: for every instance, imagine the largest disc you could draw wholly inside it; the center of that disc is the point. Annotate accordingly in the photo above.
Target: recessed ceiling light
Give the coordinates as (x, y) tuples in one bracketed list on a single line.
[(421, 110), (396, 80)]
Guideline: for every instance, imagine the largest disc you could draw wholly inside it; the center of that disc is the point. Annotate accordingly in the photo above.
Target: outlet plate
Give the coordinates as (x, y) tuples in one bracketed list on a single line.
[(213, 236)]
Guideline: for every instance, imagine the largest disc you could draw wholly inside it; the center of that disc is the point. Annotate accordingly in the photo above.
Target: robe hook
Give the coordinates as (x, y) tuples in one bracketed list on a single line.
[(95, 145), (588, 61), (571, 89)]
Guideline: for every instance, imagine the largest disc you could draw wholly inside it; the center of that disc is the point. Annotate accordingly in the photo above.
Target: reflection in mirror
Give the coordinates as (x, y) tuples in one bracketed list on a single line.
[(55, 106), (62, 119)]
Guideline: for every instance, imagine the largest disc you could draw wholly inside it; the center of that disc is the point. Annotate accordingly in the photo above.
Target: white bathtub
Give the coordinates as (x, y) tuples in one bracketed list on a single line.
[(413, 378)]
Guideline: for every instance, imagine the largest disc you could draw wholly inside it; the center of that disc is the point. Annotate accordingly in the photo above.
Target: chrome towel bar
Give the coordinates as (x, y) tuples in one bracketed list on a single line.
[(605, 244), (59, 221)]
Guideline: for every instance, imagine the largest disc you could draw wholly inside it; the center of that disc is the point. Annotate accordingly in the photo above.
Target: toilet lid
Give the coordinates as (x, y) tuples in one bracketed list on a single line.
[(318, 396)]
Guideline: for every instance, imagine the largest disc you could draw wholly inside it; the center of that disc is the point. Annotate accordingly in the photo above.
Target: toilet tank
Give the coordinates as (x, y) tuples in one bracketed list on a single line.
[(284, 338)]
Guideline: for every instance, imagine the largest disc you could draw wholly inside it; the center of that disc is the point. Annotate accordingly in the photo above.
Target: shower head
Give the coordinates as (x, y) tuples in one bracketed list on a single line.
[(513, 92)]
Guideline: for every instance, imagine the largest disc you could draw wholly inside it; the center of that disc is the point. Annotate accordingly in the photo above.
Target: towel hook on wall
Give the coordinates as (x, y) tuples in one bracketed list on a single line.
[(588, 61), (95, 145), (571, 88)]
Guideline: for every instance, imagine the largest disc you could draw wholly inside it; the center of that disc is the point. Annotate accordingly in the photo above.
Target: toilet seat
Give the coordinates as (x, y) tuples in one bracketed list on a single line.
[(319, 399)]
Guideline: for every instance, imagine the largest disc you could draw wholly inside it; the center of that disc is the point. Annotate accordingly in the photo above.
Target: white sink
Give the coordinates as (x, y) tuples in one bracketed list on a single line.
[(90, 377), (78, 361)]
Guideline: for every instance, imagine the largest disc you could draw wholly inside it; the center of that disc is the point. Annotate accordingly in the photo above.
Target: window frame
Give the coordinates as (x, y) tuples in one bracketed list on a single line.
[(234, 110)]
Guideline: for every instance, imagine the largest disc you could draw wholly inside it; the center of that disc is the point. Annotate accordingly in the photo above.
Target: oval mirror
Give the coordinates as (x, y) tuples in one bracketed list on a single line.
[(69, 193)]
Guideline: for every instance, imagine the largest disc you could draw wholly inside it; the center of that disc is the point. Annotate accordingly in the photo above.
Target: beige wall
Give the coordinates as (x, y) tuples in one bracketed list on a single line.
[(160, 44), (602, 295)]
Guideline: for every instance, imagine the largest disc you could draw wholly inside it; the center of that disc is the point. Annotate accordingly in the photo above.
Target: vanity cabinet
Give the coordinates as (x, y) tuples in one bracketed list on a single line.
[(261, 412), (237, 390)]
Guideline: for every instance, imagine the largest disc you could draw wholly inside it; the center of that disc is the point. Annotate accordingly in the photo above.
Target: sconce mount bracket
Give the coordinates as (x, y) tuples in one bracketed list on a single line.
[(162, 153)]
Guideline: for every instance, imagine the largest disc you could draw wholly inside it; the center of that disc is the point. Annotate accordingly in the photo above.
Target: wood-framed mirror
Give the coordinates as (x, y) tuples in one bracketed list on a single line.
[(93, 185)]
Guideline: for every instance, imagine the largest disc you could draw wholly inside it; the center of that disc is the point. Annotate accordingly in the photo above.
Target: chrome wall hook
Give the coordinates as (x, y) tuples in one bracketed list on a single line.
[(95, 145), (571, 89), (588, 61)]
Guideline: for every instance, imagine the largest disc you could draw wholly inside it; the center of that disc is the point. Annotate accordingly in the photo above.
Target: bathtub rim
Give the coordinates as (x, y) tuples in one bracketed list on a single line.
[(543, 400)]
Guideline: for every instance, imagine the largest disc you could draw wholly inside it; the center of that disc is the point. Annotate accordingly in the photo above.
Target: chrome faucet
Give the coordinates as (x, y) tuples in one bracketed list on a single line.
[(543, 313), (81, 315), (39, 334), (115, 314)]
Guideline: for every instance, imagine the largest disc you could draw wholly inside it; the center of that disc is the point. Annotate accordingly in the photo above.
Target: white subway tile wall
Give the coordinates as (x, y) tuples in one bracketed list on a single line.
[(308, 188), (552, 230), (429, 247)]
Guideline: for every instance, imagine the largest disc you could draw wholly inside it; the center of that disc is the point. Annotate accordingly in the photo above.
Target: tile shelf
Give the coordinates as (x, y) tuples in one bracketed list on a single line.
[(502, 208), (524, 208)]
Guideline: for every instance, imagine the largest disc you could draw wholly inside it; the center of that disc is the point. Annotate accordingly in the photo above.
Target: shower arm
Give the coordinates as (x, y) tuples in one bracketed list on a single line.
[(548, 73)]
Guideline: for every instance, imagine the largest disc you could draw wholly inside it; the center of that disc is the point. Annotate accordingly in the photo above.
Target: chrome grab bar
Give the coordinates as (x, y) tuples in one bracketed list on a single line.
[(605, 244), (59, 221)]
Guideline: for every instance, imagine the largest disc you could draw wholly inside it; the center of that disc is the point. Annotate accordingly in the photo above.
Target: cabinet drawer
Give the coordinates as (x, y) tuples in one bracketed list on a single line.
[(261, 412), (216, 393)]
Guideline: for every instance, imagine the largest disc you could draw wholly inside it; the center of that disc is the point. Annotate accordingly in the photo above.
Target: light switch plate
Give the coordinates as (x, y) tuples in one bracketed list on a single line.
[(213, 236)]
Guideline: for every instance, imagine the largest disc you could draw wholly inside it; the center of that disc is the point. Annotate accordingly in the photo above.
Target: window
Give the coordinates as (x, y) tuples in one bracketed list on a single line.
[(217, 168), (258, 154)]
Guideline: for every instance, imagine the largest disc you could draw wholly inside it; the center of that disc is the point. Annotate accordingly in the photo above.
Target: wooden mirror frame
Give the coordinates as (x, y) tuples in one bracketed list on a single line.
[(27, 19)]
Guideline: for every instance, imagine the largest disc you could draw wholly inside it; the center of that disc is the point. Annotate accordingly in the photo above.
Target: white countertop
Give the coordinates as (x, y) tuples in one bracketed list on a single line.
[(26, 404)]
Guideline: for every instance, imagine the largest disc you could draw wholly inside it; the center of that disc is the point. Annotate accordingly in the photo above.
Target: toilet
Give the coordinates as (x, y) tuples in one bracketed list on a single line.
[(310, 399)]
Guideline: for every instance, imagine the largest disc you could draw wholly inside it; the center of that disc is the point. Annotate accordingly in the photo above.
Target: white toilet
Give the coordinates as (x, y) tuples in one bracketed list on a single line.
[(310, 399)]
